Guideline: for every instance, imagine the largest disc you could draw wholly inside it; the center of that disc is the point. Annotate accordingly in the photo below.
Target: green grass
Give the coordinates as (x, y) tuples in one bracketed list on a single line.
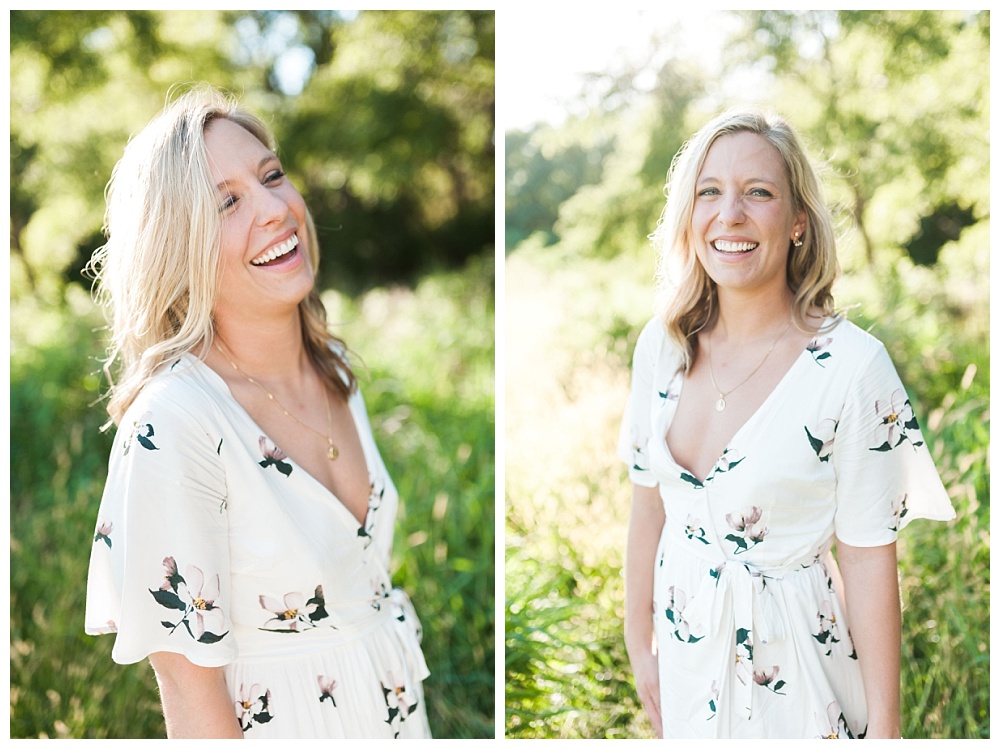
[(429, 390), (567, 503)]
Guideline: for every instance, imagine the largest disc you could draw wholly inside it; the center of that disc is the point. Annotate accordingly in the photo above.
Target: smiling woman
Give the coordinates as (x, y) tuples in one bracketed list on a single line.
[(762, 432), (244, 535)]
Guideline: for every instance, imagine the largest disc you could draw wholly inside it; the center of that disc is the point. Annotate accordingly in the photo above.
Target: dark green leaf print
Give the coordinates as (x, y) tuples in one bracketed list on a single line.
[(141, 431), (685, 476), (273, 456), (103, 533), (822, 441), (816, 348), (196, 597), (169, 599), (895, 423)]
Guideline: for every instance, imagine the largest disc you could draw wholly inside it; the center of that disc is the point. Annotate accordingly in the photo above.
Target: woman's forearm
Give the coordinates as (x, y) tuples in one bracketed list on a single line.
[(645, 525), (196, 702), (871, 591)]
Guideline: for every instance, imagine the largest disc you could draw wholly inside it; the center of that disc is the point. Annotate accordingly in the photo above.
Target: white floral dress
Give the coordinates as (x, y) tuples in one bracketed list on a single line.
[(752, 635), (211, 543)]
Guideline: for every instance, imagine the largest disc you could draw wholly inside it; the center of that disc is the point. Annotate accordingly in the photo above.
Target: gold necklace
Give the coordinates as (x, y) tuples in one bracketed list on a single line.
[(332, 452), (720, 405)]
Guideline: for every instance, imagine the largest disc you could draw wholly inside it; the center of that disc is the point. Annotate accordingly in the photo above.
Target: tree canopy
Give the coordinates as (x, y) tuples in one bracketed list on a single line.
[(385, 121)]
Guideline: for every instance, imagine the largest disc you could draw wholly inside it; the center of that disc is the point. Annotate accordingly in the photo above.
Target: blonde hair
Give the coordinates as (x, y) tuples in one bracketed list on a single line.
[(685, 293), (158, 272)]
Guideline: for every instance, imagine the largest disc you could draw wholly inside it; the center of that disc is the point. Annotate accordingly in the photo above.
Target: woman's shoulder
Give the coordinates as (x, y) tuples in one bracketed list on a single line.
[(180, 390)]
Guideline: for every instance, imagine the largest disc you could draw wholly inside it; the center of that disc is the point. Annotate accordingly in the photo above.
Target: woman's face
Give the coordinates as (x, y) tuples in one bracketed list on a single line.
[(263, 260), (743, 220)]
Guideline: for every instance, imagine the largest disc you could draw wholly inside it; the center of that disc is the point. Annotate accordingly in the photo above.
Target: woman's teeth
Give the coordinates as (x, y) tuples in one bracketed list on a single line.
[(277, 251), (723, 245)]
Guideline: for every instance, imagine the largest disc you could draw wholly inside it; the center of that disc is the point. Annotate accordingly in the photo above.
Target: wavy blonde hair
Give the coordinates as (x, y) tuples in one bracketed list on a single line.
[(158, 273), (685, 293)]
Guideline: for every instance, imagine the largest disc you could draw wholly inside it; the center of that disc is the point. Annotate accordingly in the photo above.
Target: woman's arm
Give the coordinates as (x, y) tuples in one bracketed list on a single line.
[(196, 702), (871, 590), (645, 525)]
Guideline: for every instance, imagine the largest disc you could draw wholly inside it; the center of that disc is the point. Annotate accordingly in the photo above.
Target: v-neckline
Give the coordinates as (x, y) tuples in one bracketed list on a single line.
[(742, 428), (246, 414)]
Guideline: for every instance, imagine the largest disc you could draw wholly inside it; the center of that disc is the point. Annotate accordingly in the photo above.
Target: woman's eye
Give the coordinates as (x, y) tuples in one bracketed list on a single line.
[(708, 192), (760, 192), (274, 176), (228, 203)]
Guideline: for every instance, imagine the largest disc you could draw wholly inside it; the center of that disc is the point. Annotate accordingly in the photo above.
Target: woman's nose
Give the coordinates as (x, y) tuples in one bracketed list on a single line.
[(731, 210), (271, 206)]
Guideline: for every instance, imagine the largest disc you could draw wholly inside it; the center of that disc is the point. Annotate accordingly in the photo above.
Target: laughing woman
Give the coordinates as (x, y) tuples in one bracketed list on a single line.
[(762, 431), (244, 536)]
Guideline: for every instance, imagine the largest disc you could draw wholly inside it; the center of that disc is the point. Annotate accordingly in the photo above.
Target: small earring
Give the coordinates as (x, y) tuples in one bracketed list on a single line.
[(796, 241)]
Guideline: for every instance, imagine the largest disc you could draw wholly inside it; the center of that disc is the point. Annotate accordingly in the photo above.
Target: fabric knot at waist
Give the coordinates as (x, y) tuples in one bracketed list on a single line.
[(739, 607)]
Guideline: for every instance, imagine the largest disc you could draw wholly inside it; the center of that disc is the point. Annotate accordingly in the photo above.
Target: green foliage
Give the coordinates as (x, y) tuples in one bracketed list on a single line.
[(432, 412), (390, 138)]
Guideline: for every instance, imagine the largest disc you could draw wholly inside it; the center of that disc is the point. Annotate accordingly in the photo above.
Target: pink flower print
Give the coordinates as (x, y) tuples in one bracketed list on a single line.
[(741, 522), (326, 687), (766, 678), (827, 635), (253, 706), (294, 613), (822, 440), (195, 597), (834, 726), (273, 456), (103, 533), (746, 529), (898, 511), (816, 346), (398, 703), (675, 615), (895, 417), (201, 596)]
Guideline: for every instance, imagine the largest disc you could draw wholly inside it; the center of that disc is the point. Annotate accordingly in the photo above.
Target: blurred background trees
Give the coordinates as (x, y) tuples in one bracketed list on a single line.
[(385, 122)]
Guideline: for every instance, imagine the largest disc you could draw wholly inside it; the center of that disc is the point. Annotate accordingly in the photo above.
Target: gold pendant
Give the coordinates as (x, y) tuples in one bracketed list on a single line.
[(720, 405), (333, 453)]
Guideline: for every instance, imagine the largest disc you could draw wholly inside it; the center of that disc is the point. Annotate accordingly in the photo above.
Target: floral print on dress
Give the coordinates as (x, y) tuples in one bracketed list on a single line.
[(379, 595), (294, 613), (834, 725), (399, 704), (817, 348), (729, 459), (195, 597), (640, 461), (326, 687), (141, 432), (675, 615), (694, 531), (253, 706), (827, 635), (713, 704), (898, 512), (103, 533), (822, 441), (748, 532), (376, 492), (744, 655), (273, 456), (768, 678), (895, 423)]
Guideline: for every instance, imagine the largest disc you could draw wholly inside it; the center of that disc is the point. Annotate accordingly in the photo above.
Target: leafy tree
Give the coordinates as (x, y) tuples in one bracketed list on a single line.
[(894, 101)]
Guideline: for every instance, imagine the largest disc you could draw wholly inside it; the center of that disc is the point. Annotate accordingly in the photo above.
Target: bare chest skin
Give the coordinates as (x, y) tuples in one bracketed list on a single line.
[(346, 477), (698, 433)]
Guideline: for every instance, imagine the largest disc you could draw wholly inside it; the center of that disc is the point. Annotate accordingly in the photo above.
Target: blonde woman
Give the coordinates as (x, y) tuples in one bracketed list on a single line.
[(762, 431), (244, 535)]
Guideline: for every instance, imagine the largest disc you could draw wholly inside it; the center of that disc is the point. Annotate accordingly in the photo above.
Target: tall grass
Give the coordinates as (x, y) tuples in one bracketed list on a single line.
[(429, 390), (568, 498)]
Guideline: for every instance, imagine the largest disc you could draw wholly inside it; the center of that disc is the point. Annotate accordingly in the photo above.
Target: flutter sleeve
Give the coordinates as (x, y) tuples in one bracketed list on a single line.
[(637, 423), (159, 566), (885, 474)]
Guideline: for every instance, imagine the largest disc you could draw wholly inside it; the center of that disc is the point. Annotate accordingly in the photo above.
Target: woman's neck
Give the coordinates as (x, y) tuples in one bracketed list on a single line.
[(268, 350), (751, 317)]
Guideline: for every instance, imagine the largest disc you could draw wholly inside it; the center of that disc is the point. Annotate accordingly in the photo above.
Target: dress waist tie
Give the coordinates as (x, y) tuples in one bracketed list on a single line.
[(737, 597)]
